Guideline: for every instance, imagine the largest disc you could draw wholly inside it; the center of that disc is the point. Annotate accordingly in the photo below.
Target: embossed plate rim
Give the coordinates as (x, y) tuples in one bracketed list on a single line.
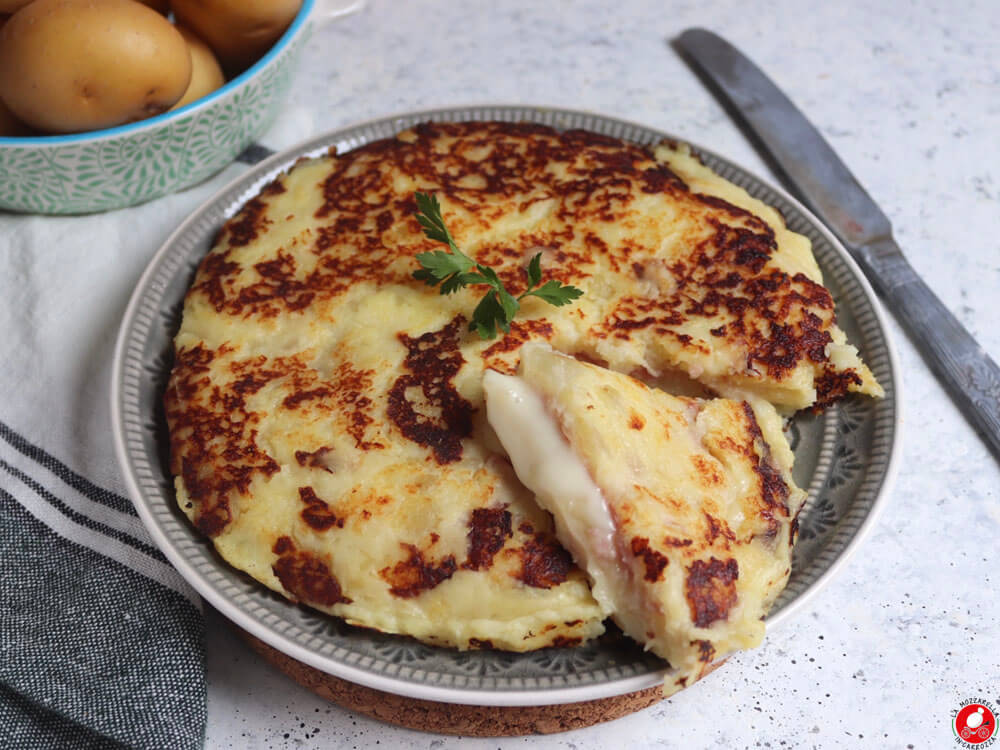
[(139, 467)]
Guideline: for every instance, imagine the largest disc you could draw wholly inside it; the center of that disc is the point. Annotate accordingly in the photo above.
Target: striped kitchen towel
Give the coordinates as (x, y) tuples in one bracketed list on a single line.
[(101, 641)]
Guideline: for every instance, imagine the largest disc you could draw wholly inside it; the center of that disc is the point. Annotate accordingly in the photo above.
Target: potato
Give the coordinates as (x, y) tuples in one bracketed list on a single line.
[(9, 6), (73, 65), (239, 31), (160, 6), (10, 126), (206, 75)]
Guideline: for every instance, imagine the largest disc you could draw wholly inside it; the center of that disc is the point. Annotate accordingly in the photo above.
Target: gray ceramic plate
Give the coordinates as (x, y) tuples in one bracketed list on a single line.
[(846, 458)]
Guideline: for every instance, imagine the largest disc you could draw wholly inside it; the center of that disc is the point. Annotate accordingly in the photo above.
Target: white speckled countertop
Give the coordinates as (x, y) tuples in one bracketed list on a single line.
[(909, 94)]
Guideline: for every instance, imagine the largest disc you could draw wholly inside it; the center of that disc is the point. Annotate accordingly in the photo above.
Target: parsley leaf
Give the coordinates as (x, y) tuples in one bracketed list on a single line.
[(454, 270), (555, 293), (440, 265), (535, 270), (487, 316), (429, 216)]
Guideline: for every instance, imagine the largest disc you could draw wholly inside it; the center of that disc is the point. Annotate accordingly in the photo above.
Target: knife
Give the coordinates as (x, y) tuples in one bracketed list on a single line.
[(817, 176)]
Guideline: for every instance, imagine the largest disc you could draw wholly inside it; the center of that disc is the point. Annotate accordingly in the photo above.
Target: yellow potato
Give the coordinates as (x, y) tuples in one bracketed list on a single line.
[(73, 65), (239, 31), (160, 6), (10, 126), (206, 75)]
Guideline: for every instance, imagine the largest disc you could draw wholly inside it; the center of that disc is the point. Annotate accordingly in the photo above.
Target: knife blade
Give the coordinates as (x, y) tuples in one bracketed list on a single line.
[(816, 175)]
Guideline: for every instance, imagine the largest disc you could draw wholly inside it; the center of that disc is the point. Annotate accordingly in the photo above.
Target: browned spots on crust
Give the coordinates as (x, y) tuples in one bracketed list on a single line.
[(352, 387), (296, 399), (213, 443), (480, 644), (711, 590), (755, 222), (831, 386), (349, 250), (654, 561), (213, 278), (521, 331), (672, 541), (214, 431), (433, 359), (744, 248), (314, 459), (636, 422), (582, 138), (773, 488), (566, 641), (244, 228), (415, 575), (544, 562), (489, 530), (346, 187), (274, 187), (706, 471), (305, 576), (383, 221), (778, 320), (717, 527), (632, 313), (277, 286), (282, 545), (346, 391), (367, 233), (661, 179), (317, 513), (706, 651)]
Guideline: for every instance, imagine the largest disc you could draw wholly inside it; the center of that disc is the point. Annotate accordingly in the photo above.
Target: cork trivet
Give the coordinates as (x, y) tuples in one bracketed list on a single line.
[(449, 718)]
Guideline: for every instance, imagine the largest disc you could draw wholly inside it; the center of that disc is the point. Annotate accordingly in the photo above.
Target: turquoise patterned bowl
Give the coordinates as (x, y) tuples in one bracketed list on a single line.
[(122, 166)]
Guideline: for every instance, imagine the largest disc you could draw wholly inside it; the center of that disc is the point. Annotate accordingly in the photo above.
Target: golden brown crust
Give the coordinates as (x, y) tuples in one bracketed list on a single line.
[(306, 576), (312, 368), (415, 575), (213, 436), (711, 592), (432, 360), (489, 530)]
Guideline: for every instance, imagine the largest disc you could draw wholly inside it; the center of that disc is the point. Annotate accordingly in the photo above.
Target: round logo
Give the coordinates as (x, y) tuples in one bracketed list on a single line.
[(976, 724)]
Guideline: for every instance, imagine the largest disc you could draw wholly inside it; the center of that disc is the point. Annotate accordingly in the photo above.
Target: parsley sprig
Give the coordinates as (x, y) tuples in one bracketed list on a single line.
[(453, 270)]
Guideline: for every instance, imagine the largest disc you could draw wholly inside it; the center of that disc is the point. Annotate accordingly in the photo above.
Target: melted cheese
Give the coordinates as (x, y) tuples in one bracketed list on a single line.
[(547, 465), (678, 509)]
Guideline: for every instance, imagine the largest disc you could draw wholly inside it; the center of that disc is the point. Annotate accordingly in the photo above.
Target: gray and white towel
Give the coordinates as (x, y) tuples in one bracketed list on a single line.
[(101, 641)]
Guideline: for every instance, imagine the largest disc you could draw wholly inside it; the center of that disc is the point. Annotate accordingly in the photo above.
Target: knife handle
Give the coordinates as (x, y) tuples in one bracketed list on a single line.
[(971, 377)]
